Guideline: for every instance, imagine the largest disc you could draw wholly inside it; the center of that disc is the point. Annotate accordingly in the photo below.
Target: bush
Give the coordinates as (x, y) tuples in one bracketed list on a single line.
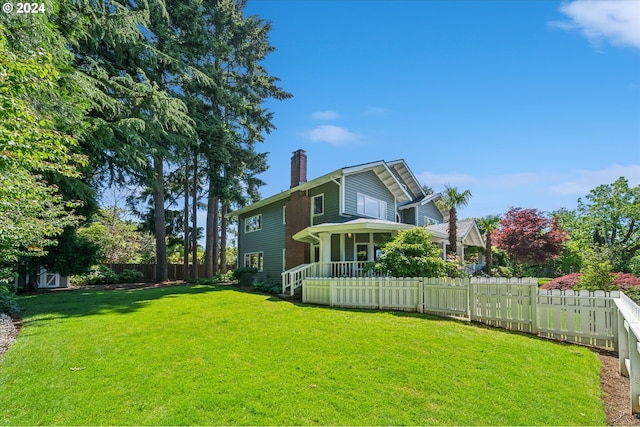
[(268, 286), (502, 271), (596, 271), (129, 276), (97, 274), (8, 303), (411, 254), (620, 281), (239, 272)]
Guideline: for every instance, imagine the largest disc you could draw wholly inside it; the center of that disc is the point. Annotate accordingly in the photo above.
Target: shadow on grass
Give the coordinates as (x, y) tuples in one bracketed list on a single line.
[(79, 303)]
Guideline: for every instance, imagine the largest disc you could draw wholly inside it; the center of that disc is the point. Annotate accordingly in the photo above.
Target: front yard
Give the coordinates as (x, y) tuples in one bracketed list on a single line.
[(214, 355)]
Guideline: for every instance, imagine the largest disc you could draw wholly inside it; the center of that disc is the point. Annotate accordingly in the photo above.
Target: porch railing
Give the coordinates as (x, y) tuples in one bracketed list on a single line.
[(292, 279)]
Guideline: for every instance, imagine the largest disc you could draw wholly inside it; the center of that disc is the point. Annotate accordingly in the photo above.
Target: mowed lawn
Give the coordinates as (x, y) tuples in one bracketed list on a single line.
[(215, 355)]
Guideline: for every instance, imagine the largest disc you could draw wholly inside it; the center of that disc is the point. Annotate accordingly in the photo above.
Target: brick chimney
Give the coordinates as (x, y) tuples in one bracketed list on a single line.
[(298, 168), (298, 213)]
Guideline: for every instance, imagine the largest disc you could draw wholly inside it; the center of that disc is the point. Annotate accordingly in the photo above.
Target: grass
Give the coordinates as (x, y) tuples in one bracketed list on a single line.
[(214, 355)]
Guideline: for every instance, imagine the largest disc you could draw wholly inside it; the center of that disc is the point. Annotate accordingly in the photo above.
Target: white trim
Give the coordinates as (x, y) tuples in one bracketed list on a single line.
[(284, 259), (313, 205), (378, 201), (260, 260), (284, 214), (251, 217)]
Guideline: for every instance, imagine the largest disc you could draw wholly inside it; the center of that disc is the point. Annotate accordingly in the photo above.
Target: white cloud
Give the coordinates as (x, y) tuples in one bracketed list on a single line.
[(325, 115), (584, 181), (334, 135), (615, 21), (374, 111)]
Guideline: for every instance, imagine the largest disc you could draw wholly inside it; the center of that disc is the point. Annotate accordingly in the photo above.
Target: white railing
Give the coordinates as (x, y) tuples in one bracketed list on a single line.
[(293, 278), (628, 334)]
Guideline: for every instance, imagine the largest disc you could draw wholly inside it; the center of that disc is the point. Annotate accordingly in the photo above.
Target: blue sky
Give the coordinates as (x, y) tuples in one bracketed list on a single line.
[(525, 103)]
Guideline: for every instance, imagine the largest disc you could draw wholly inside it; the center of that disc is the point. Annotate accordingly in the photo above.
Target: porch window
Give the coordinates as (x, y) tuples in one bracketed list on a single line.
[(253, 223), (254, 259), (317, 204), (371, 207)]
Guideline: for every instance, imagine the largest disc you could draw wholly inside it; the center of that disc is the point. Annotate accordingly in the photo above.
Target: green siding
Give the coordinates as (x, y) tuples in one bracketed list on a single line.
[(331, 192), (368, 184), (269, 240)]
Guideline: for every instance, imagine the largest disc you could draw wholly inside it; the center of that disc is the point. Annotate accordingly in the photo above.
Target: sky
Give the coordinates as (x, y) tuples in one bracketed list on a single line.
[(525, 103)]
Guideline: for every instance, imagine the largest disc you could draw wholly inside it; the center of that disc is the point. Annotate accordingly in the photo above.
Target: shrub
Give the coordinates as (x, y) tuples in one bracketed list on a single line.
[(239, 272), (596, 270), (268, 286), (8, 303), (97, 274), (129, 276), (411, 254), (502, 271), (624, 281)]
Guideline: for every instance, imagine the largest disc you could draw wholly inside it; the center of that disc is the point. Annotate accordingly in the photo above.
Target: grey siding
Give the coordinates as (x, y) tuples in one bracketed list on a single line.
[(331, 193), (269, 240), (369, 184), (429, 210), (408, 216)]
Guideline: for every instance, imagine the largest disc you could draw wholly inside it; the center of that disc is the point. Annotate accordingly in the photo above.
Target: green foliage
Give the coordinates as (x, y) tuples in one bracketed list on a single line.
[(268, 286), (8, 303), (129, 276), (238, 273), (596, 270), (411, 254), (502, 271), (453, 266), (98, 274), (33, 212)]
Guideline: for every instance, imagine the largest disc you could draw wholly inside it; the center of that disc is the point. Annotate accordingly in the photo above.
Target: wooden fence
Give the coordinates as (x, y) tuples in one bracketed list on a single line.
[(176, 271)]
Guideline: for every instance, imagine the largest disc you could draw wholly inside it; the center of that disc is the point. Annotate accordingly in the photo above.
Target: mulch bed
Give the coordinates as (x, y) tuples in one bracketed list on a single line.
[(615, 388)]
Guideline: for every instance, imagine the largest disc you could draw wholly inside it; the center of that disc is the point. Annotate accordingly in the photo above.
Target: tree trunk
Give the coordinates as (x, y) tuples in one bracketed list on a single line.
[(186, 239), (194, 219), (488, 255), (211, 251), (162, 274), (453, 231), (223, 238)]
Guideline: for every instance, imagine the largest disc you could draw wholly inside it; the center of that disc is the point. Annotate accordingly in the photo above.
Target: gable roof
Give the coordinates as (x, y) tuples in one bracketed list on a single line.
[(380, 168), (403, 171), (467, 232)]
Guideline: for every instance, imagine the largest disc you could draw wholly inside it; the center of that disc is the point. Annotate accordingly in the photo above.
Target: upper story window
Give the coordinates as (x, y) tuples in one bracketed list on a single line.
[(317, 204), (430, 221), (253, 223), (369, 206)]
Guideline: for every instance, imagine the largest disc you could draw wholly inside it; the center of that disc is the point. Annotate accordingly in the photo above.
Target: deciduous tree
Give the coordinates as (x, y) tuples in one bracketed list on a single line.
[(529, 236)]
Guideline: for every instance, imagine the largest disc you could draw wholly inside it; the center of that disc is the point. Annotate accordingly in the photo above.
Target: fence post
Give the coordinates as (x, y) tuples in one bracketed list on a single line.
[(472, 300), (534, 308), (623, 343), (634, 370), (421, 295)]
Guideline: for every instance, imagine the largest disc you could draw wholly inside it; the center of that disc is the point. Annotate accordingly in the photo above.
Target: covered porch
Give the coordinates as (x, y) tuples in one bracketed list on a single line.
[(347, 249)]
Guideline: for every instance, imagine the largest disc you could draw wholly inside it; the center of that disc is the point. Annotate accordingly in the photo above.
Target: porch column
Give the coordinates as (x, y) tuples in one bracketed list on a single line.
[(325, 253), (444, 251)]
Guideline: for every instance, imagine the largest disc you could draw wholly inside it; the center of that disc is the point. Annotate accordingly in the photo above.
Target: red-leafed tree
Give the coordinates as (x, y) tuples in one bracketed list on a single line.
[(529, 236)]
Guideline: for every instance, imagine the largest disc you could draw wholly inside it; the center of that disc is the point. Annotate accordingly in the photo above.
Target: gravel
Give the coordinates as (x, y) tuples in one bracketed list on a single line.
[(8, 333)]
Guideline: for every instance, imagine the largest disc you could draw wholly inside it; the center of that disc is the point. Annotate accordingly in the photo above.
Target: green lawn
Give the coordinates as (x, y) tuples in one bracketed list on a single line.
[(215, 355)]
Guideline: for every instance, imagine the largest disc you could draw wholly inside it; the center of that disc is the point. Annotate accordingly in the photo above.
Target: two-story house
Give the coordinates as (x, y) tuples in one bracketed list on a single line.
[(340, 220)]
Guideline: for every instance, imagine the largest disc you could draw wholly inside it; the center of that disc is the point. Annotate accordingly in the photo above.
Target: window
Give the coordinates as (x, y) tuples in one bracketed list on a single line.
[(253, 223), (430, 221), (369, 206), (253, 259), (317, 205)]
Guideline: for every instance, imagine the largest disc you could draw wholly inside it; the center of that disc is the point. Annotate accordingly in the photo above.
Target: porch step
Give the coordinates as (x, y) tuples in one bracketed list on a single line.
[(297, 295)]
